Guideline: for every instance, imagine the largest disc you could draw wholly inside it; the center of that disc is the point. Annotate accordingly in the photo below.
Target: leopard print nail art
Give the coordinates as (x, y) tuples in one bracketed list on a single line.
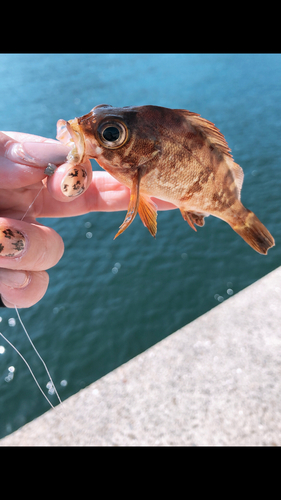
[(74, 183), (11, 242)]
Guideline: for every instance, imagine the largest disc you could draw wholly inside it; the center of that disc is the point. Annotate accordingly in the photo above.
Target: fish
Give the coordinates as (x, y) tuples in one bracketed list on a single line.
[(171, 154)]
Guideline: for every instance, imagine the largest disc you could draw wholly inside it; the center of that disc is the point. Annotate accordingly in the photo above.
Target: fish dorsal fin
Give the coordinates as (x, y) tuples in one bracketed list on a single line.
[(208, 130), (213, 135)]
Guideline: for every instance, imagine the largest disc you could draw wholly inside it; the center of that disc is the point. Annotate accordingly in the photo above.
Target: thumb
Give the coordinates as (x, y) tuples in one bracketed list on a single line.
[(24, 163)]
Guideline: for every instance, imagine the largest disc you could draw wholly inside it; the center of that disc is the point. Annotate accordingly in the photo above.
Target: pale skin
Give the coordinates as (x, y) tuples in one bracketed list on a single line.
[(23, 278)]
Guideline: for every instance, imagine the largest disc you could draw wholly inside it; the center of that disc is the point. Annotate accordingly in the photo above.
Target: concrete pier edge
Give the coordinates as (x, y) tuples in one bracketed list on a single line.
[(216, 381)]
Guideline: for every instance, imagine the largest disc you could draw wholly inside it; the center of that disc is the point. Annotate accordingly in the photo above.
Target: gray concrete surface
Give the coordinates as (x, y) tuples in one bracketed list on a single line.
[(217, 381)]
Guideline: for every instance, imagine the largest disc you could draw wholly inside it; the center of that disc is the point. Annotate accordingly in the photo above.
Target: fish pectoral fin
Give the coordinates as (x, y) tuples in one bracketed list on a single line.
[(193, 218), (148, 214), (133, 204)]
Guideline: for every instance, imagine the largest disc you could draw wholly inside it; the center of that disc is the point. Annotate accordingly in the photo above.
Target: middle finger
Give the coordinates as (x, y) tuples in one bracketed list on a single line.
[(28, 246)]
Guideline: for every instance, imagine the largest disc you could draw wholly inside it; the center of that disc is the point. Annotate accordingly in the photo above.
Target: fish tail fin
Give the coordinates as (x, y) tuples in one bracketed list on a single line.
[(250, 228)]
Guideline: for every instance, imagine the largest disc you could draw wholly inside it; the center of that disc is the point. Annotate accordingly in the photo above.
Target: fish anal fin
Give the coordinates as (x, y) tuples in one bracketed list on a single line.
[(198, 219), (148, 214), (133, 205), (193, 218)]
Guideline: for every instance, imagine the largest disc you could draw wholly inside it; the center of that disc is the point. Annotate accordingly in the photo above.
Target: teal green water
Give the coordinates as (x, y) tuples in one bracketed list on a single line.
[(110, 300)]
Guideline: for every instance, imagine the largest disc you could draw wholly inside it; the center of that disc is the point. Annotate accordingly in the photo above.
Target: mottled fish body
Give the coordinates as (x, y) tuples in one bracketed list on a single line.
[(171, 154)]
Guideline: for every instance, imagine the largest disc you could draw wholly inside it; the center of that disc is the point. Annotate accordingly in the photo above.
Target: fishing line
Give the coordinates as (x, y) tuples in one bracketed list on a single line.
[(26, 333), (40, 357), (22, 357), (32, 202), (49, 171)]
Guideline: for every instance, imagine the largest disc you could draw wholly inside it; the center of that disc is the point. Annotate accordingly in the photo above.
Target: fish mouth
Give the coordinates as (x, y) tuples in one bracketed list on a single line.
[(92, 150)]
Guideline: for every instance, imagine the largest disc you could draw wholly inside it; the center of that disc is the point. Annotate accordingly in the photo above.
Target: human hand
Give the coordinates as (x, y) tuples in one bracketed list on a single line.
[(27, 248)]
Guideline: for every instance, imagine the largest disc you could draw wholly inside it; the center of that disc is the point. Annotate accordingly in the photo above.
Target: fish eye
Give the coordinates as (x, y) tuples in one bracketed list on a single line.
[(112, 134)]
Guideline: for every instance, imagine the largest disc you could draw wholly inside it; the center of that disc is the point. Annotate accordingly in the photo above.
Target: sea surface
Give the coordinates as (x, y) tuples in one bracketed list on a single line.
[(108, 300)]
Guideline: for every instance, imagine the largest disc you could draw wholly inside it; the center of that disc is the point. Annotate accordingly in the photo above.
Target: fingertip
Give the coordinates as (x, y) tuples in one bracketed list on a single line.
[(70, 181), (29, 295)]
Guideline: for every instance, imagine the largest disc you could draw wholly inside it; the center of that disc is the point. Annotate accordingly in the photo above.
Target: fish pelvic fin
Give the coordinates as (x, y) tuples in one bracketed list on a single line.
[(253, 232), (133, 204), (148, 214)]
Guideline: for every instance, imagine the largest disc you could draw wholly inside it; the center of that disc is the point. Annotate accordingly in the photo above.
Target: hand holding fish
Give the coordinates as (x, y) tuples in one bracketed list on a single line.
[(156, 158), (28, 248)]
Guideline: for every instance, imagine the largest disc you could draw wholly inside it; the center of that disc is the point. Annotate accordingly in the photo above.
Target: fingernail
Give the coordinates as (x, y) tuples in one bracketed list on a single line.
[(38, 153), (14, 279), (75, 182), (12, 242)]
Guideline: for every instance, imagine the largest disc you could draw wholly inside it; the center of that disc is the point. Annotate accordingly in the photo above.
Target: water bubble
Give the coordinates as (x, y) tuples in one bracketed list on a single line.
[(89, 235), (10, 376), (229, 284), (2, 349), (11, 321), (218, 297), (50, 388), (116, 267), (63, 383), (58, 309), (0, 319), (229, 291)]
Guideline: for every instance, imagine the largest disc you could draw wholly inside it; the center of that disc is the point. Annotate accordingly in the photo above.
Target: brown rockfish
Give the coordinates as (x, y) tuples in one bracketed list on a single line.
[(170, 154)]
